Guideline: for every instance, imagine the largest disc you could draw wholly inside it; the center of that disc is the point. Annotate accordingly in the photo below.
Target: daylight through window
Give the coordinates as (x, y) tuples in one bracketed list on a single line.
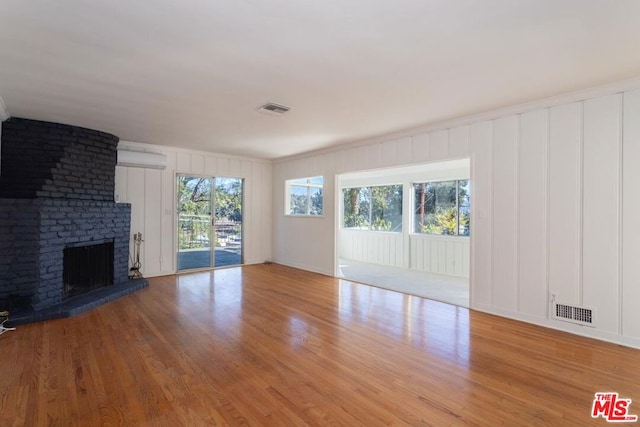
[(304, 196), (373, 208), (442, 207)]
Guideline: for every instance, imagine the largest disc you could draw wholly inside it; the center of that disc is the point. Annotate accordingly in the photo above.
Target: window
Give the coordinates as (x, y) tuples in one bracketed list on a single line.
[(442, 207), (373, 208), (304, 196)]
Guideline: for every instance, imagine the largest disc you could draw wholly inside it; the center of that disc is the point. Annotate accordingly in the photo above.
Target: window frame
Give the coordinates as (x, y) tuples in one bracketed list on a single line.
[(370, 216), (305, 182), (457, 181)]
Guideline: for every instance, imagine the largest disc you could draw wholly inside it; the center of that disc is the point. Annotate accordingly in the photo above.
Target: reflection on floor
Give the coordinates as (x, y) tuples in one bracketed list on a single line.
[(449, 289), (201, 258)]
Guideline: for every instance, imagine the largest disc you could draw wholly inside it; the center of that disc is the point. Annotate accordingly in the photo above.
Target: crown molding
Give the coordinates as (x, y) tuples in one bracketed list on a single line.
[(4, 113)]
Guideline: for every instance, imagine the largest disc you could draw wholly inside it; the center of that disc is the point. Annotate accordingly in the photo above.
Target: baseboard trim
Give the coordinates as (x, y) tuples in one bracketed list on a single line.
[(583, 331)]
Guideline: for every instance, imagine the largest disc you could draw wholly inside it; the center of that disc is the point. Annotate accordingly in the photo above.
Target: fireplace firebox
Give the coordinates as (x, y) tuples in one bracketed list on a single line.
[(87, 267)]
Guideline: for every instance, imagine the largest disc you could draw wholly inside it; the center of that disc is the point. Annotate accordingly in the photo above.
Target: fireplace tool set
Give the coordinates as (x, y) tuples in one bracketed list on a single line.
[(135, 268), (4, 316)]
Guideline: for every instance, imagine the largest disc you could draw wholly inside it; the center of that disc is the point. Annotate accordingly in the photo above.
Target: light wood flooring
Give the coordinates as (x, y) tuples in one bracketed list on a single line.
[(272, 345)]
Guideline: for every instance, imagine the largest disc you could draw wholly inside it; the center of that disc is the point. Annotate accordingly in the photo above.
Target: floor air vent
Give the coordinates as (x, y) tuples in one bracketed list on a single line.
[(574, 314)]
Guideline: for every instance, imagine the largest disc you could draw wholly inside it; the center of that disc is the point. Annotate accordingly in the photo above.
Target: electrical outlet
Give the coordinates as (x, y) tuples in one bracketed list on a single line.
[(553, 296)]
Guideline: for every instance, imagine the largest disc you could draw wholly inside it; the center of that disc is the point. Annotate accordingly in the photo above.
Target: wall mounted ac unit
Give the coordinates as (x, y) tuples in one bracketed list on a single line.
[(141, 159)]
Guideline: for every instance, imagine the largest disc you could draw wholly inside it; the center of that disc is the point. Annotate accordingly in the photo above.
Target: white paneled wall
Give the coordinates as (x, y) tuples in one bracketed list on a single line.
[(151, 193), (601, 208), (504, 281), (481, 135), (532, 212), (555, 206), (376, 247), (439, 254), (630, 289), (564, 196)]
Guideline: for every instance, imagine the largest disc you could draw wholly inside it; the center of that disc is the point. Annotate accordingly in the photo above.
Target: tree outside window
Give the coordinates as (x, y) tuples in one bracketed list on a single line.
[(442, 207), (373, 208), (305, 196)]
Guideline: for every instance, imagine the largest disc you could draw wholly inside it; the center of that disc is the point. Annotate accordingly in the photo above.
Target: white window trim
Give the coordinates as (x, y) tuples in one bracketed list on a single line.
[(370, 187), (413, 223), (309, 185)]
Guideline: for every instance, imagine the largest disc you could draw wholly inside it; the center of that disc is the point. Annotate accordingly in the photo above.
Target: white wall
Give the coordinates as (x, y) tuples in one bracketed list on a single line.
[(151, 193), (448, 255), (376, 247), (555, 205)]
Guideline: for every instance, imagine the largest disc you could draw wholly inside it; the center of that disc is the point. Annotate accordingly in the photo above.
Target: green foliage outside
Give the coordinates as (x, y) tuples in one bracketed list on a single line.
[(373, 208), (194, 209), (356, 207), (194, 212), (304, 204), (380, 224), (442, 207), (444, 221), (228, 201)]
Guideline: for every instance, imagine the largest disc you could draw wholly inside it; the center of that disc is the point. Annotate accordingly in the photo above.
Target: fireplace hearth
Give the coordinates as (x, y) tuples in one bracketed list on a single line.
[(56, 202)]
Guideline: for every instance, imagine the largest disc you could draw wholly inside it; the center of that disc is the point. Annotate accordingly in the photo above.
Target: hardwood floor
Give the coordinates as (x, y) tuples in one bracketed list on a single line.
[(272, 345)]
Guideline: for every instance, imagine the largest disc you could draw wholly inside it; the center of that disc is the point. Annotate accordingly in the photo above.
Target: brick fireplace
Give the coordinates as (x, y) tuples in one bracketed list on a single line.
[(57, 193)]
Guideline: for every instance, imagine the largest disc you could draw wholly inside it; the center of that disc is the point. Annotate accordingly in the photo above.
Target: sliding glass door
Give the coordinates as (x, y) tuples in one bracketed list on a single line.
[(195, 232), (209, 222), (228, 221)]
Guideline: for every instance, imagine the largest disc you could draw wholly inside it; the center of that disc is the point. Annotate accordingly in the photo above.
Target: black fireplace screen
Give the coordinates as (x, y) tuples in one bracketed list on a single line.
[(87, 268)]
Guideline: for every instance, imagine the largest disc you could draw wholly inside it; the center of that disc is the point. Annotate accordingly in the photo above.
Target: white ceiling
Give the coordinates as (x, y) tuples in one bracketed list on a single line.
[(192, 73)]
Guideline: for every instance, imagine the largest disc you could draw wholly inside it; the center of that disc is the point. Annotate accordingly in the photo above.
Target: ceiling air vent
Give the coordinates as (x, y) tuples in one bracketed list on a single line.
[(274, 109), (574, 314)]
